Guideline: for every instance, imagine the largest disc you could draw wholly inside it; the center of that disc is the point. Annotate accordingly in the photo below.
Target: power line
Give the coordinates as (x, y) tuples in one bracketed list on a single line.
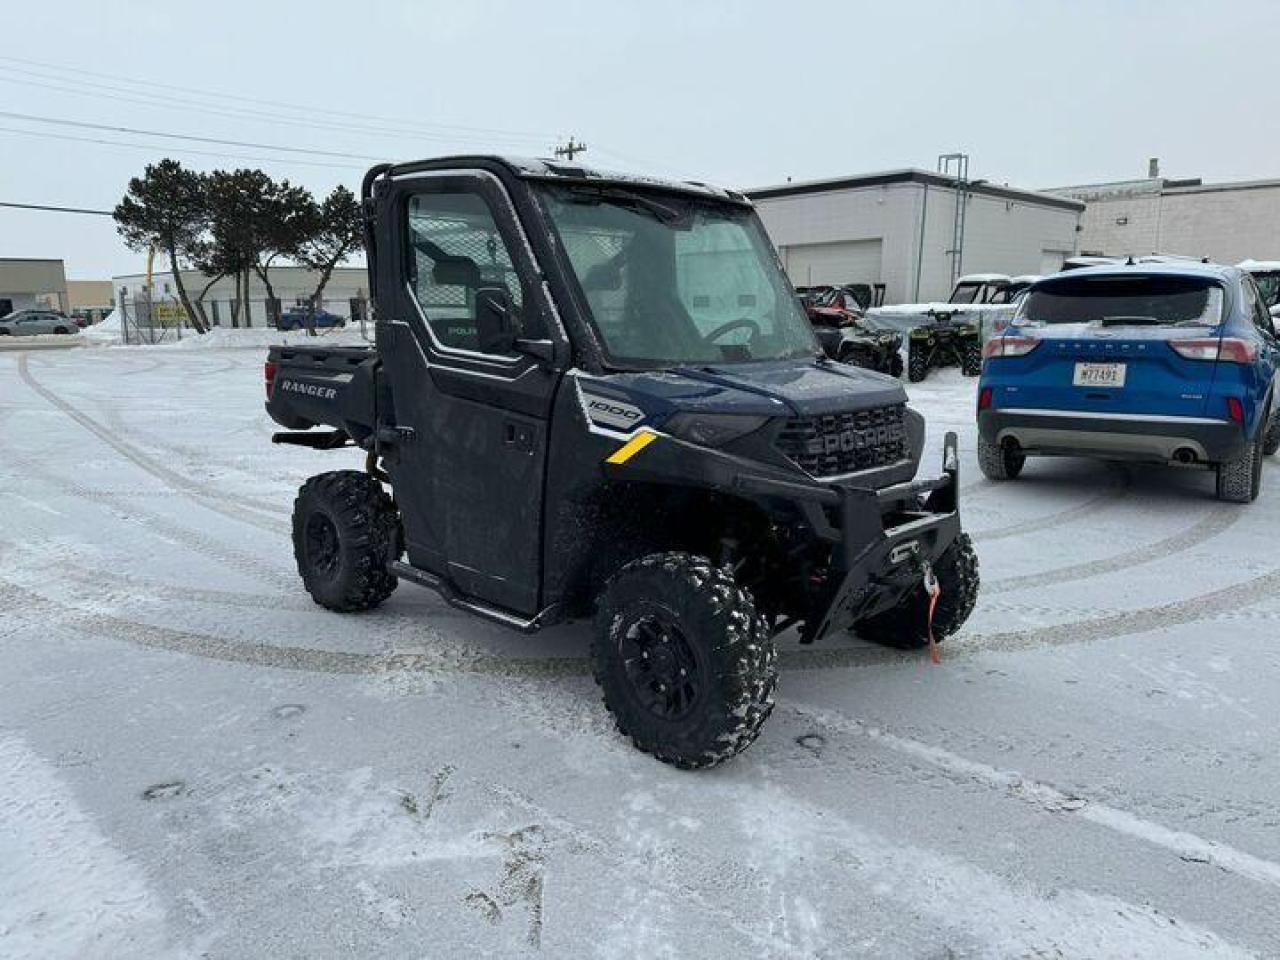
[(43, 206), (179, 149), (165, 102), (59, 121), (364, 117)]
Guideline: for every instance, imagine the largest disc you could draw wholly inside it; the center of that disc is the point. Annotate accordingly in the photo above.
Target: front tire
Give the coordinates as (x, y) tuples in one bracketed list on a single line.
[(1000, 461), (971, 359), (1271, 439), (346, 530), (687, 666), (906, 625), (1239, 480), (917, 366)]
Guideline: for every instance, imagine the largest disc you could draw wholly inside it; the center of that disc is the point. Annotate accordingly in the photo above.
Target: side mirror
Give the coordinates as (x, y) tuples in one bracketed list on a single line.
[(495, 320)]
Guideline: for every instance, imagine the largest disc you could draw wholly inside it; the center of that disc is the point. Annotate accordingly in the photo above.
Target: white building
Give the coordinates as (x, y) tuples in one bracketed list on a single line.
[(1226, 222), (27, 284), (897, 228), (292, 285)]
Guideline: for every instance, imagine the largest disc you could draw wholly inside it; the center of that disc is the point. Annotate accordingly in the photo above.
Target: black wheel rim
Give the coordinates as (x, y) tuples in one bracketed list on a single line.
[(321, 539), (658, 661)]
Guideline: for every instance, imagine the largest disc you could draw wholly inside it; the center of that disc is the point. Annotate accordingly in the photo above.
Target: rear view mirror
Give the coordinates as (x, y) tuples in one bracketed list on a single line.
[(495, 320)]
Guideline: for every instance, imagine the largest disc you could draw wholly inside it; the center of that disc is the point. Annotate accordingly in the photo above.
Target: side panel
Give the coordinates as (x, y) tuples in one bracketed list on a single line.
[(470, 479)]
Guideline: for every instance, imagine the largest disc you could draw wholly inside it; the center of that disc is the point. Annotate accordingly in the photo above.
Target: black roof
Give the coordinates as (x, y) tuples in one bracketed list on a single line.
[(567, 172)]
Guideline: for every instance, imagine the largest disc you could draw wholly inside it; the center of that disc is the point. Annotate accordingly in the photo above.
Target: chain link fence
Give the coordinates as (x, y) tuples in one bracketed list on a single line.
[(164, 319)]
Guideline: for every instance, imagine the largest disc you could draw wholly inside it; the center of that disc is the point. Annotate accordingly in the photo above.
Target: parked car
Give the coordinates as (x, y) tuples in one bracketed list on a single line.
[(29, 323), (1163, 362), (300, 318), (1266, 274)]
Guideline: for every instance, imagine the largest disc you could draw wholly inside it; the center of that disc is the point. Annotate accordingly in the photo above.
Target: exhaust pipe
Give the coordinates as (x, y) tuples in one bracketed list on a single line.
[(1184, 455)]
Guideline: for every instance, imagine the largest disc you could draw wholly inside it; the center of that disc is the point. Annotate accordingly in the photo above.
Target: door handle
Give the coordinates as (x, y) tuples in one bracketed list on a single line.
[(518, 436)]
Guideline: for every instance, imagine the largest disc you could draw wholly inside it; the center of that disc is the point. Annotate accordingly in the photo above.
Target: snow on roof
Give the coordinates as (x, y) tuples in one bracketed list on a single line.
[(984, 278), (1026, 278), (1260, 266)]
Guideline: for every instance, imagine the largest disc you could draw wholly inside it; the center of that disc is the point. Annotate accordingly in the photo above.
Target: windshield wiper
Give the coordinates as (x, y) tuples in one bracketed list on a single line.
[(636, 201)]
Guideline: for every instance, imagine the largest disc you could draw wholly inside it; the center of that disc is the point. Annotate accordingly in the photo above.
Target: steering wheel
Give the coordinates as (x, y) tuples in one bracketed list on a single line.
[(741, 322)]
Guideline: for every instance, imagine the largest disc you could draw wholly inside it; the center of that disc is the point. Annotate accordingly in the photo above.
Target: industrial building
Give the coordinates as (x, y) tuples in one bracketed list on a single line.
[(902, 228), (27, 284), (1226, 222)]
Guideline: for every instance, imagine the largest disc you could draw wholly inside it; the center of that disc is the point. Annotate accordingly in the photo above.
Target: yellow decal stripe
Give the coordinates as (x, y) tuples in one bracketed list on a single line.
[(632, 447)]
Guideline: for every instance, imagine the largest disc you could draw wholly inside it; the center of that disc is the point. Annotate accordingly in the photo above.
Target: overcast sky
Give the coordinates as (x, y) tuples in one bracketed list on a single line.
[(744, 94)]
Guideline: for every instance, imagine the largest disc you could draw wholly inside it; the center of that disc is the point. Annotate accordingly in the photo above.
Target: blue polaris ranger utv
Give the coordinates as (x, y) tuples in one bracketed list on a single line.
[(1164, 361), (598, 394)]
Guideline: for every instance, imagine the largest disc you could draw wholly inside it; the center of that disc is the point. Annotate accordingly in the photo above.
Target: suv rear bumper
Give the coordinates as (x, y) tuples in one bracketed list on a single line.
[(1142, 437)]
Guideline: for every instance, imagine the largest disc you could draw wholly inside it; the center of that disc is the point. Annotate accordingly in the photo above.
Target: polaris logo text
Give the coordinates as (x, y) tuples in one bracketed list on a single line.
[(310, 389)]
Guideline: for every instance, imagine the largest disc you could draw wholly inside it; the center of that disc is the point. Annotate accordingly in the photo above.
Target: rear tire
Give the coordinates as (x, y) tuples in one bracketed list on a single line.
[(346, 530), (971, 359), (62, 330), (896, 365), (1240, 480), (686, 664), (1000, 462), (906, 625), (917, 366)]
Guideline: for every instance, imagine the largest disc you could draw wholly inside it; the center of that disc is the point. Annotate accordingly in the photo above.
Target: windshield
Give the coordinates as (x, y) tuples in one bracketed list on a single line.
[(672, 281), (1125, 301)]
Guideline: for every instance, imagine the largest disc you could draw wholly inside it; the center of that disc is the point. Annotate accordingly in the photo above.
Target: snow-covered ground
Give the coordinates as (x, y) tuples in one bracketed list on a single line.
[(195, 761)]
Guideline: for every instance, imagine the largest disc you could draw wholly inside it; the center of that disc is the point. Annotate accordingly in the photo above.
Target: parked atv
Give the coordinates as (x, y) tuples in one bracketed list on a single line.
[(580, 419), (944, 341), (838, 324)]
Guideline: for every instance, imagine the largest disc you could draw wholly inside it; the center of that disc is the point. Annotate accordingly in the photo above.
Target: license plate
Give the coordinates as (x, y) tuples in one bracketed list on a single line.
[(1099, 375)]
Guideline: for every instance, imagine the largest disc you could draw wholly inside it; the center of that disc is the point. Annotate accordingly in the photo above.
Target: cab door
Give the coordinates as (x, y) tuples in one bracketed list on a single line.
[(470, 477)]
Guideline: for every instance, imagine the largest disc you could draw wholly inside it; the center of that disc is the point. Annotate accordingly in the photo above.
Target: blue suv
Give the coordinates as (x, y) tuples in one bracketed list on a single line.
[(1172, 362)]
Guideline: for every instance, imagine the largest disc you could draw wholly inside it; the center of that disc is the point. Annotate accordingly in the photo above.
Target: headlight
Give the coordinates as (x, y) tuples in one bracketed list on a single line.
[(713, 429)]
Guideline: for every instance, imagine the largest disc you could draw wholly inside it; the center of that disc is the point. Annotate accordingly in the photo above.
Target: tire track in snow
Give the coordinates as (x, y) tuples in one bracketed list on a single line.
[(1186, 846), (1217, 521), (213, 501), (1122, 488)]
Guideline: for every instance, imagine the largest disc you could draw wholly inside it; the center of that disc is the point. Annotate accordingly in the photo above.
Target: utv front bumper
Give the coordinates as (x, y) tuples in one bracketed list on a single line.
[(884, 538)]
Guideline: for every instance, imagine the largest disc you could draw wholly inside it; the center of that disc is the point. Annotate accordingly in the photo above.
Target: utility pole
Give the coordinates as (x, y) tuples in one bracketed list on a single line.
[(569, 149)]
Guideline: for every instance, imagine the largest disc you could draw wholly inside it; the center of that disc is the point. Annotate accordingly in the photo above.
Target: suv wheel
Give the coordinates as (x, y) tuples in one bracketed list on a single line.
[(345, 532), (686, 664), (906, 625), (1239, 480), (1000, 461), (1271, 439)]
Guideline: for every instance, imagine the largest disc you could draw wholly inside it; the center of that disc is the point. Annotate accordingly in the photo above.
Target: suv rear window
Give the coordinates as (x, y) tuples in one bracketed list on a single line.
[(1124, 302)]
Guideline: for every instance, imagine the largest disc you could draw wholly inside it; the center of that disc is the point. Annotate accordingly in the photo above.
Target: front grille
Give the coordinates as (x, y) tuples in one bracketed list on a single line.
[(845, 442)]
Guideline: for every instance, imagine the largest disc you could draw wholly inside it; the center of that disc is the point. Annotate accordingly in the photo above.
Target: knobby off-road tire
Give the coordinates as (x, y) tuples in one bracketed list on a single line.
[(998, 461), (687, 666), (345, 532), (906, 625), (896, 366), (971, 359), (917, 366), (1240, 480)]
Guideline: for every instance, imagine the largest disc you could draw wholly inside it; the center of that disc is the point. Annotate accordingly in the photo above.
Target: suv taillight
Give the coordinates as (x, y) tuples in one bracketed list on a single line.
[(269, 376), (1009, 347), (1228, 349)]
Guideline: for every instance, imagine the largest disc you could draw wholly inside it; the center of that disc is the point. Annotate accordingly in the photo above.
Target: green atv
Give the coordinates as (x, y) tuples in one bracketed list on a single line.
[(945, 340)]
